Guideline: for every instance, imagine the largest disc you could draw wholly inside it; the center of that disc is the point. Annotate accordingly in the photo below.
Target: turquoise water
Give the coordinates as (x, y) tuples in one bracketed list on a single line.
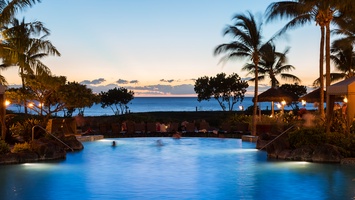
[(188, 168)]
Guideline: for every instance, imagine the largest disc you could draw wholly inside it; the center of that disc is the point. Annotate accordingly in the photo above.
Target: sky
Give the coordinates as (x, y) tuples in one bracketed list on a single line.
[(156, 47)]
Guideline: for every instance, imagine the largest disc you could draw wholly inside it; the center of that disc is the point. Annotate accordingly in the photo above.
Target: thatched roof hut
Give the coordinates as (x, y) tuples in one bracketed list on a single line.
[(276, 95)]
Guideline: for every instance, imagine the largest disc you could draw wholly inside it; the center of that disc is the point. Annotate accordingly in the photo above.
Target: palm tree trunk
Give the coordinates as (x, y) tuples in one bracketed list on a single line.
[(272, 109), (23, 90), (321, 72), (327, 74), (255, 108)]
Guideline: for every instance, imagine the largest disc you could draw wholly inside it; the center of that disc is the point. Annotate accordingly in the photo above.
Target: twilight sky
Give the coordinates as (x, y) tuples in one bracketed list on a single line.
[(156, 47)]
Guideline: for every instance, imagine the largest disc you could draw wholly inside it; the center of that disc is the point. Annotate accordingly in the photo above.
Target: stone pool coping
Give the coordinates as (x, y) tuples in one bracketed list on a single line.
[(87, 138)]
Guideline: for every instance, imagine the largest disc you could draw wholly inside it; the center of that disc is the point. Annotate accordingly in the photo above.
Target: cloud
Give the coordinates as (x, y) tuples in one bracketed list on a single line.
[(102, 88), (246, 78), (168, 81), (121, 81), (184, 89), (134, 81), (153, 90), (93, 82)]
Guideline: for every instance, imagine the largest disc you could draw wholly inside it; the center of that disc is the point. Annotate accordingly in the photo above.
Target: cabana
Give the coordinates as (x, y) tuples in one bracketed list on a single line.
[(313, 96), (276, 95), (343, 88)]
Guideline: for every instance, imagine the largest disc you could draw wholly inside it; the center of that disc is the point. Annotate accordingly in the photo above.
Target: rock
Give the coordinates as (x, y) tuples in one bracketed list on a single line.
[(302, 154), (326, 153), (277, 147), (73, 142), (265, 136), (15, 158), (9, 158), (48, 149), (348, 161), (43, 149), (261, 143), (27, 156), (285, 154)]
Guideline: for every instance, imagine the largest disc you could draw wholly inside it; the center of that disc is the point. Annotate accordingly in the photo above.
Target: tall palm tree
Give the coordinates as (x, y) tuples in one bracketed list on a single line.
[(322, 12), (247, 43), (346, 28), (9, 8), (272, 64), (24, 46), (343, 57)]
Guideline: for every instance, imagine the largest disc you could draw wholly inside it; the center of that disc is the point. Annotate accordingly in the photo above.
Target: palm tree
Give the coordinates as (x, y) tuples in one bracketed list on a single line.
[(346, 28), (247, 43), (24, 45), (322, 12), (8, 9), (272, 64), (343, 57)]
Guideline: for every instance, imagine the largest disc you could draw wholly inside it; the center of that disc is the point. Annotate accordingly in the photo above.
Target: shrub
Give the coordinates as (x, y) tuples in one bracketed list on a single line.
[(239, 118), (346, 143), (307, 136), (349, 145), (24, 129), (4, 147), (339, 123), (21, 147)]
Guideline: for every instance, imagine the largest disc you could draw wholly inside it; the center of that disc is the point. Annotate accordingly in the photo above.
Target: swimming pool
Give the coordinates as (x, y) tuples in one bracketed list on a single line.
[(186, 168)]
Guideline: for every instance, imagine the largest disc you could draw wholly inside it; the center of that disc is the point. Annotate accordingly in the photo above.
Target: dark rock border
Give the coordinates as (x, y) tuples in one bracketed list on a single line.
[(280, 149), (43, 149)]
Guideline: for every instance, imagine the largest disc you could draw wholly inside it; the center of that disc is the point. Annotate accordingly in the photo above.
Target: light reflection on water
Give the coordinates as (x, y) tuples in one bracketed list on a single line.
[(189, 168)]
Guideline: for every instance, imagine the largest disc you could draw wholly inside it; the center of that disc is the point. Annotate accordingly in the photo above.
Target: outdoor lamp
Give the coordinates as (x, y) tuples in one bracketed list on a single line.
[(7, 102), (283, 102), (304, 103), (345, 100), (283, 106), (241, 108)]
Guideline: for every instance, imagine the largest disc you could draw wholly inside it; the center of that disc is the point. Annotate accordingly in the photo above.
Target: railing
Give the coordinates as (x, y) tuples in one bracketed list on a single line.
[(33, 128), (277, 137)]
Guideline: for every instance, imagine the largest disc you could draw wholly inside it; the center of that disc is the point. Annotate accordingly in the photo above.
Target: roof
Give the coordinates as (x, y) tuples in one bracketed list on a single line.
[(313, 96), (276, 94), (344, 87)]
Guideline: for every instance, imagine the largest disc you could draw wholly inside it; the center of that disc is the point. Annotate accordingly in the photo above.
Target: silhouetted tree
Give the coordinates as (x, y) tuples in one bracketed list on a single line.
[(117, 99), (272, 64), (24, 46), (297, 90), (77, 96), (246, 43), (226, 90), (323, 13)]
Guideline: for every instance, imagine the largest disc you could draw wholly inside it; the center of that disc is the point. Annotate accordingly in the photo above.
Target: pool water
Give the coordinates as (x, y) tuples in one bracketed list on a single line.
[(186, 168)]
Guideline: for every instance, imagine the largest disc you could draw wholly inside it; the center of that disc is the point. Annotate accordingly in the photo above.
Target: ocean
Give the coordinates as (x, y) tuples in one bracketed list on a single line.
[(156, 104)]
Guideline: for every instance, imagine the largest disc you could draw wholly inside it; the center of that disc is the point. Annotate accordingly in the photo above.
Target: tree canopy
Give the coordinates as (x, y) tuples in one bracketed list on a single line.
[(226, 90), (117, 99), (51, 94)]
